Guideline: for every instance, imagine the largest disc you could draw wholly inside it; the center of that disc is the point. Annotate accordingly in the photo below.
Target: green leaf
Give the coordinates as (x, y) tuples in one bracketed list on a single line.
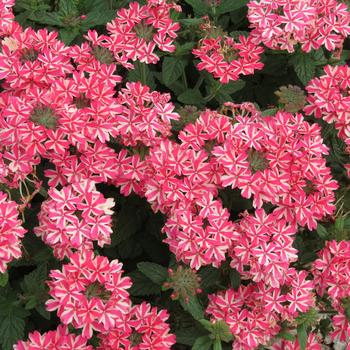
[(235, 279), (304, 67), (302, 336), (202, 343), (156, 273), (308, 318), (4, 278), (270, 111), (285, 335), (67, 35), (193, 307), (184, 49), (34, 287), (188, 22), (141, 285), (199, 7), (188, 335), (142, 72), (191, 97), (97, 17), (230, 5), (12, 320), (172, 69), (49, 18), (322, 231), (209, 276)]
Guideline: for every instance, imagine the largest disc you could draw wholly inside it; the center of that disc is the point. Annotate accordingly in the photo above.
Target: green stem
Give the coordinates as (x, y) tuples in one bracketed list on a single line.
[(213, 94), (142, 68), (199, 83)]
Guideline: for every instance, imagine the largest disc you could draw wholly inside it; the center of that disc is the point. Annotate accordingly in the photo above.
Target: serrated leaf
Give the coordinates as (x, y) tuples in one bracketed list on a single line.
[(97, 17), (4, 278), (202, 343), (49, 18), (11, 330), (302, 336), (156, 273), (230, 5), (11, 320), (304, 67), (187, 22), (191, 97), (185, 48), (193, 307), (172, 69), (199, 7), (67, 35), (142, 285), (322, 231)]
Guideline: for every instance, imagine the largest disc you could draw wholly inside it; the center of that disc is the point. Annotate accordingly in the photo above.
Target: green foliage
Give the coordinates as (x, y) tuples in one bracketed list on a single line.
[(156, 273)]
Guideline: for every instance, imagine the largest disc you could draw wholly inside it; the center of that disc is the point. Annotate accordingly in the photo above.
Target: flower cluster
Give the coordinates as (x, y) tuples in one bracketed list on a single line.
[(145, 329), (328, 98), (227, 59), (331, 275), (59, 339), (6, 16), (145, 117), (137, 32), (253, 312), (73, 217), (11, 232), (90, 293), (263, 249), (281, 24)]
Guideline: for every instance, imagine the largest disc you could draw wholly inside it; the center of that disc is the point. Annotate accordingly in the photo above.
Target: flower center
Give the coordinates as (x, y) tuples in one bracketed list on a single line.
[(44, 115), (97, 290), (103, 55), (257, 161), (144, 31)]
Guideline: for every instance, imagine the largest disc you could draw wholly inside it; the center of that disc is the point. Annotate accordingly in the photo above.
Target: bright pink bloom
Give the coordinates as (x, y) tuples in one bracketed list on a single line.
[(11, 232), (90, 293), (145, 329)]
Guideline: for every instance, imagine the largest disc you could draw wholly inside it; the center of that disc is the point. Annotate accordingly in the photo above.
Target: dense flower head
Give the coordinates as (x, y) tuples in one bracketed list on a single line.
[(73, 217), (332, 270), (145, 117), (145, 329), (313, 343), (30, 58), (6, 16), (90, 293), (11, 231), (262, 249), (227, 59), (277, 159), (59, 339), (254, 312), (331, 273), (137, 31), (282, 24), (328, 98)]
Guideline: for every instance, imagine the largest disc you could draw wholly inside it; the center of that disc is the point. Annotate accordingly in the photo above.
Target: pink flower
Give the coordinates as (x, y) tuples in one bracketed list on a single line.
[(281, 24), (11, 232), (75, 216), (59, 339), (90, 293), (227, 59), (145, 329)]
